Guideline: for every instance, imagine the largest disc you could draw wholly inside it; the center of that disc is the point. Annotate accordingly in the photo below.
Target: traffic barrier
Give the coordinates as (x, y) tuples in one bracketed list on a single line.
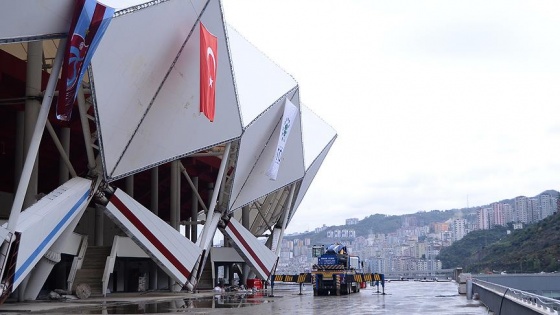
[(306, 278), (254, 283)]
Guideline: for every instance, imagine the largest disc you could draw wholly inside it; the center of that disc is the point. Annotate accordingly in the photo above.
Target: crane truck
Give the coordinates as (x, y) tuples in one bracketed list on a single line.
[(334, 270)]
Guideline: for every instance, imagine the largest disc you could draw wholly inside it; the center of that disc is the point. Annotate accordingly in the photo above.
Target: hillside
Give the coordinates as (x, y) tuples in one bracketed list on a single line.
[(384, 224), (535, 248)]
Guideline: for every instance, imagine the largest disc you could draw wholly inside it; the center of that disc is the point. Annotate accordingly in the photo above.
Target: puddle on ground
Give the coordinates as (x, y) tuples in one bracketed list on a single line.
[(171, 306)]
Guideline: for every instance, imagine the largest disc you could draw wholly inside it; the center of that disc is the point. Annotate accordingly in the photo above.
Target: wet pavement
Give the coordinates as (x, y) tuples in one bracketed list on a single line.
[(402, 297)]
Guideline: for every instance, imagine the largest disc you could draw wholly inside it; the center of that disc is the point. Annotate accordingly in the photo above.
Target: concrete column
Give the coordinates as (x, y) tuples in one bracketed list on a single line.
[(210, 194), (99, 218), (42, 270), (155, 209), (194, 211), (226, 273), (40, 274), (174, 215), (63, 175), (245, 211), (18, 163), (154, 190), (32, 108), (129, 183), (175, 200)]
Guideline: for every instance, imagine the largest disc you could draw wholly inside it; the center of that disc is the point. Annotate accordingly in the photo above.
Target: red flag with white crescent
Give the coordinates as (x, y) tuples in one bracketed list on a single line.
[(208, 66)]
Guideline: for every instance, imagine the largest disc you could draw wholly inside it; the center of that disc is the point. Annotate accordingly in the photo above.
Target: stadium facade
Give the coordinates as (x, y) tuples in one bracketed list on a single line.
[(127, 189)]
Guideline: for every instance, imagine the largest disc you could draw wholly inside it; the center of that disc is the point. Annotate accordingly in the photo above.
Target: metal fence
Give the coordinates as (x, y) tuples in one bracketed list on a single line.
[(534, 302)]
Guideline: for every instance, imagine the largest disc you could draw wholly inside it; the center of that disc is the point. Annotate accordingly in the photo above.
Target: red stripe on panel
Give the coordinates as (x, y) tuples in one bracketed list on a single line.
[(149, 235), (248, 249)]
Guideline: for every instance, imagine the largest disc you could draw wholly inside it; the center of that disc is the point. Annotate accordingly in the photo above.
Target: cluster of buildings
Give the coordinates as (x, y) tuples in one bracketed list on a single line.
[(413, 248), (519, 210), (409, 249)]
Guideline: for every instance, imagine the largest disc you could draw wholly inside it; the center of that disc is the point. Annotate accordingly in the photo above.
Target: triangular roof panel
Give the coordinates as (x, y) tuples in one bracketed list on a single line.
[(142, 71), (256, 152), (318, 138), (259, 81), (41, 19)]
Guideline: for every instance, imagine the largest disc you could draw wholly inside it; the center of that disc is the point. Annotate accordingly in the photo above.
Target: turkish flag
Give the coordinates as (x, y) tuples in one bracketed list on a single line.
[(208, 66)]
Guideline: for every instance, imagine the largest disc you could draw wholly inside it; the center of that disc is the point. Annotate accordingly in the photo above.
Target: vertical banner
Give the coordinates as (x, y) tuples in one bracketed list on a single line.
[(89, 22), (208, 70), (288, 119)]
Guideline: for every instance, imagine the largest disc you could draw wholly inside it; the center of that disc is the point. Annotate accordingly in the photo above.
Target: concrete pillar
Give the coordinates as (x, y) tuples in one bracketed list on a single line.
[(245, 212), (155, 209), (18, 163), (154, 176), (64, 175), (42, 270), (32, 108), (99, 218), (175, 196), (194, 211), (40, 274), (226, 273), (175, 203), (210, 193), (129, 183)]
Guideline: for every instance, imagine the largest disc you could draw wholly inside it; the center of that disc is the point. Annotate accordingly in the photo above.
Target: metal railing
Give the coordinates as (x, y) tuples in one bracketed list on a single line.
[(530, 300), (77, 263)]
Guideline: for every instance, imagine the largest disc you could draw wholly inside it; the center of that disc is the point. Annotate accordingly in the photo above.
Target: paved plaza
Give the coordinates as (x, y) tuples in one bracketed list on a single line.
[(402, 297)]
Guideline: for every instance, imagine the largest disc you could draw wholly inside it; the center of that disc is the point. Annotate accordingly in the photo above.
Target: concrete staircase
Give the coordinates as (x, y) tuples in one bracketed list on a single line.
[(92, 269), (206, 281)]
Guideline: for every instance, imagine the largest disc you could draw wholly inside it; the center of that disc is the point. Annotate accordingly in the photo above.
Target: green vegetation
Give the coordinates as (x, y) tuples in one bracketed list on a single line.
[(535, 248)]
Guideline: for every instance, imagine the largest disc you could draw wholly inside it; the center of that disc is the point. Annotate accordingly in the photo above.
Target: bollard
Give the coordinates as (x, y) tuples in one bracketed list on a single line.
[(271, 286), (469, 289)]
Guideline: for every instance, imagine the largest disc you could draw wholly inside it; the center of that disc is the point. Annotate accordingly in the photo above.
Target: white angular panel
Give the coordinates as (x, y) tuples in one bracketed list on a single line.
[(27, 20), (174, 126), (256, 151), (318, 138), (255, 253), (147, 101), (259, 81), (166, 246), (309, 176), (41, 224), (316, 134)]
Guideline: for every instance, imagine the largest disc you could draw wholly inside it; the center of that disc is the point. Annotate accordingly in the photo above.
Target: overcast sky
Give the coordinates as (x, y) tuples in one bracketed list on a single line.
[(437, 104)]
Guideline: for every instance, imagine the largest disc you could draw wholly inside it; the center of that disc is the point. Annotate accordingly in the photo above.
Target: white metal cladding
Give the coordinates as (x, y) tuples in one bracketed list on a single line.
[(174, 253), (259, 81), (316, 134), (256, 152), (310, 175), (174, 125), (26, 20), (41, 224), (256, 254), (270, 210), (130, 73)]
